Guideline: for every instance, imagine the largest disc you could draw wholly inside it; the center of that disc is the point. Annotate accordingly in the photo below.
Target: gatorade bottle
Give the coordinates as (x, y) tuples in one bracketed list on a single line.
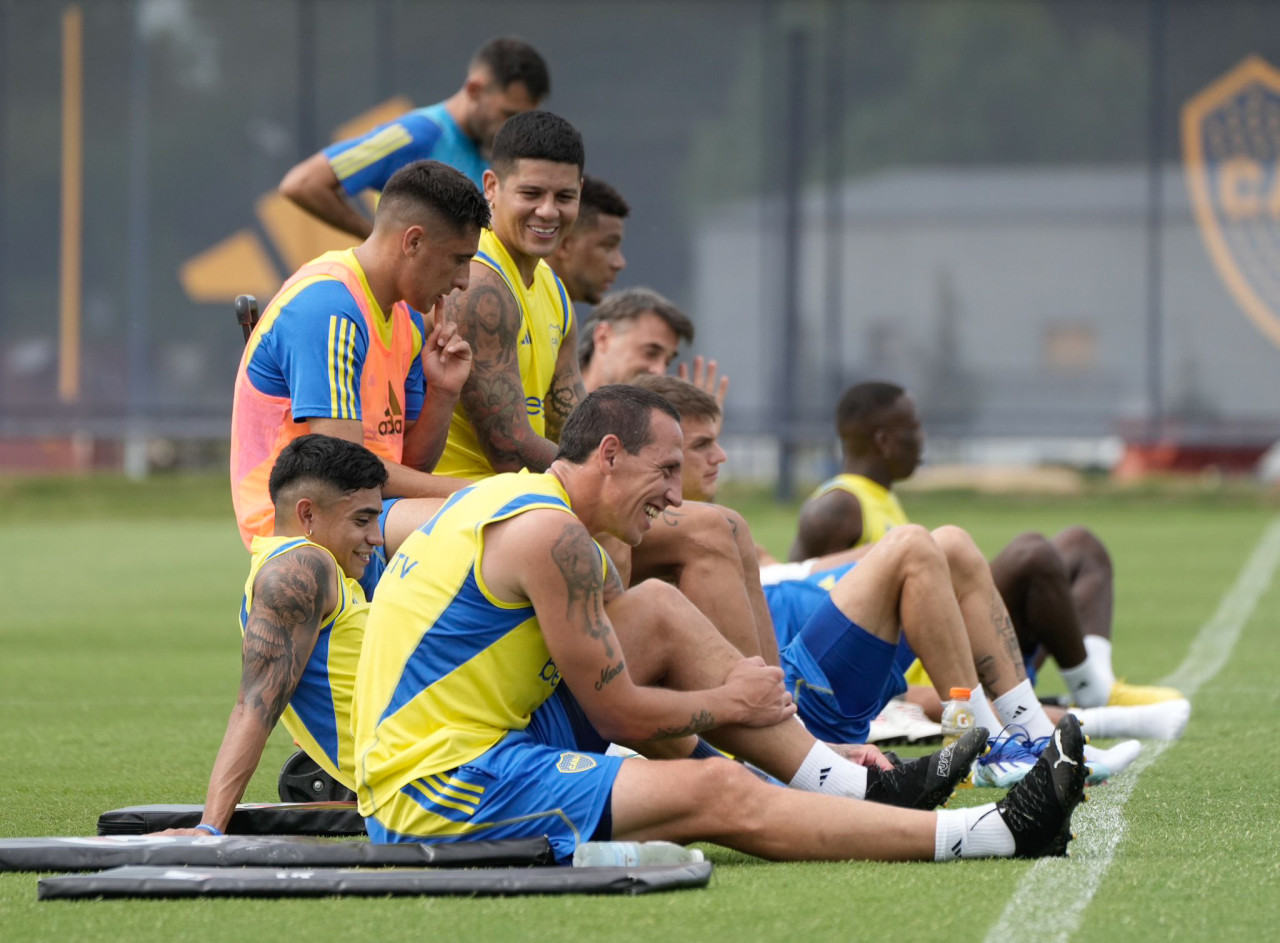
[(957, 716), (629, 854)]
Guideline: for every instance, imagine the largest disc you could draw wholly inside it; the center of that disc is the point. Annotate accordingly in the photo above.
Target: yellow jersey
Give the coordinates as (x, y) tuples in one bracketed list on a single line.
[(880, 508), (546, 317), (319, 713), (448, 669)]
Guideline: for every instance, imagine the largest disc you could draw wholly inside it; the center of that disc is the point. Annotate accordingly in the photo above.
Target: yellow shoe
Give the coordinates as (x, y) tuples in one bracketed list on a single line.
[(1134, 695)]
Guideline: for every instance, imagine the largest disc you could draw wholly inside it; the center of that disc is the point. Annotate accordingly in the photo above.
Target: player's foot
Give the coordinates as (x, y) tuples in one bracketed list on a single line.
[(1165, 720), (1038, 809), (1133, 695), (903, 722), (928, 781), (1011, 757), (1103, 764)]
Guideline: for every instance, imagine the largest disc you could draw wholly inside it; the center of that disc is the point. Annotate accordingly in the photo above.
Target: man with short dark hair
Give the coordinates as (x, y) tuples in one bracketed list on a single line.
[(302, 617), (343, 349), (590, 257), (515, 313), (506, 594), (1058, 592), (506, 77)]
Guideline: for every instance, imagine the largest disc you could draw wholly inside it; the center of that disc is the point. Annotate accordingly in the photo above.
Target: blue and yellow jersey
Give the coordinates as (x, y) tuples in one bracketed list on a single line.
[(447, 669), (323, 349), (880, 508), (368, 161), (547, 317), (319, 713)]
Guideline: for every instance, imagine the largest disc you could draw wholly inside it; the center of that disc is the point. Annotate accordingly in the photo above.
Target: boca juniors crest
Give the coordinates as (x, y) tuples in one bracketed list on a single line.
[(1231, 149)]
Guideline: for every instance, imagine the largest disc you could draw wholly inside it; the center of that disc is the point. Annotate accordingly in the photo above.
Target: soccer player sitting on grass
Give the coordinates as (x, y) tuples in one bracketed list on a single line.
[(343, 349), (504, 594), (302, 617), (1058, 593), (844, 661)]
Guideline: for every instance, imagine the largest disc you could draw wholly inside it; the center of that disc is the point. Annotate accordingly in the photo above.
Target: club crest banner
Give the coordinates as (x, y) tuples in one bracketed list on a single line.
[(1231, 150)]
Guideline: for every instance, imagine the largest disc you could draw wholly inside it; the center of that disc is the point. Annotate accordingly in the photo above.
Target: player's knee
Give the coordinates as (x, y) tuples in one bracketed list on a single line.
[(1081, 549), (664, 604), (963, 556), (1032, 556), (710, 534), (728, 785), (915, 548)]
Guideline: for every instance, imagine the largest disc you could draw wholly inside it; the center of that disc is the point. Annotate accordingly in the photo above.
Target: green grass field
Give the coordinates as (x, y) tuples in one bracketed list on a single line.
[(119, 658)]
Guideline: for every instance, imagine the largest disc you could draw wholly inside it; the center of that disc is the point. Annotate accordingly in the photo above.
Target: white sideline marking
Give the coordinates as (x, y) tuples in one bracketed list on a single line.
[(1070, 883)]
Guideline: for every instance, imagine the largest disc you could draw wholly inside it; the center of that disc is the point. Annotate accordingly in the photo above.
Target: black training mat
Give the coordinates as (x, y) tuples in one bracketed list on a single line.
[(273, 882), (113, 851), (249, 818)]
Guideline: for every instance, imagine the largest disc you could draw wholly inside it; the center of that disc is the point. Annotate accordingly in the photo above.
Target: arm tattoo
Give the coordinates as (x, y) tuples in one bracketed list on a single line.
[(578, 560), (488, 318), (565, 393), (697, 723), (671, 518), (608, 673), (613, 587), (291, 596)]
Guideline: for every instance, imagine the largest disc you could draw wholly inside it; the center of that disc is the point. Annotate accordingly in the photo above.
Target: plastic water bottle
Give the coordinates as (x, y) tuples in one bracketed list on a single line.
[(957, 720), (957, 716), (629, 854)]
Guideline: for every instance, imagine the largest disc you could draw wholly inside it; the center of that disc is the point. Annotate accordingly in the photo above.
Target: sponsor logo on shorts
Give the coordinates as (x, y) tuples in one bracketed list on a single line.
[(575, 763)]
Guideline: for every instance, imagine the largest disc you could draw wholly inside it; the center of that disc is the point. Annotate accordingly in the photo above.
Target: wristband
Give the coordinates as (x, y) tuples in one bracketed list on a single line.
[(212, 830)]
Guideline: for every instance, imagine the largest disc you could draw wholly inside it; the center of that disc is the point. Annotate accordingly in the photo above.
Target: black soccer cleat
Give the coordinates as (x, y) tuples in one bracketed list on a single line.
[(927, 782), (1038, 809)]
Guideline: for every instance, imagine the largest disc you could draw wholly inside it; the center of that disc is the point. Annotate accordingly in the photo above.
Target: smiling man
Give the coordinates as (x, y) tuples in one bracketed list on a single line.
[(515, 312), (302, 616), (504, 594)]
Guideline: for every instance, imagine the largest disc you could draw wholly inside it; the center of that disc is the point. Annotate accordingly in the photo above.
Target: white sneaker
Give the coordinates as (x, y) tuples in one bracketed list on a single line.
[(903, 722)]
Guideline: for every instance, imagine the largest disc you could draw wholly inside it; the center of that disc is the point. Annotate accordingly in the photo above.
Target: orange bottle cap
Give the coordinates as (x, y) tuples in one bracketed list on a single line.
[(960, 694)]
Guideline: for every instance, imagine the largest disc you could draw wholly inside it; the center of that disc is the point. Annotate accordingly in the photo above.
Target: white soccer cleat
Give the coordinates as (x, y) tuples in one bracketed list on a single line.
[(903, 722)]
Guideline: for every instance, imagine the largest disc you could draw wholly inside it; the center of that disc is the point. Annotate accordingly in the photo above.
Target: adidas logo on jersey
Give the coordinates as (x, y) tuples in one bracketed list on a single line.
[(393, 416)]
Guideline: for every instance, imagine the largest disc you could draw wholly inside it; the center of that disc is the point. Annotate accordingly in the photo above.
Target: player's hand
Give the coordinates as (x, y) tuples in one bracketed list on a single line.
[(183, 832), (758, 693), (864, 754), (446, 357), (703, 377)]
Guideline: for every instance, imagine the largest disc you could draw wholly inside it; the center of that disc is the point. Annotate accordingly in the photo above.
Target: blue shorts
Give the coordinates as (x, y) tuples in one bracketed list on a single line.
[(378, 562), (792, 602), (532, 782), (840, 709)]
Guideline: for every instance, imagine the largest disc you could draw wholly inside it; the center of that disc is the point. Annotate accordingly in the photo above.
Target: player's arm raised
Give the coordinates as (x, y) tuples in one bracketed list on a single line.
[(566, 389), (291, 596), (828, 523), (559, 571), (488, 318)]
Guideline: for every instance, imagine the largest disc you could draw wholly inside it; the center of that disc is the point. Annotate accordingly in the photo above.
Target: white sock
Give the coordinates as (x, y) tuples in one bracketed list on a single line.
[(826, 771), (1089, 686), (1099, 650), (978, 832), (1021, 706), (983, 715), (1163, 721)]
